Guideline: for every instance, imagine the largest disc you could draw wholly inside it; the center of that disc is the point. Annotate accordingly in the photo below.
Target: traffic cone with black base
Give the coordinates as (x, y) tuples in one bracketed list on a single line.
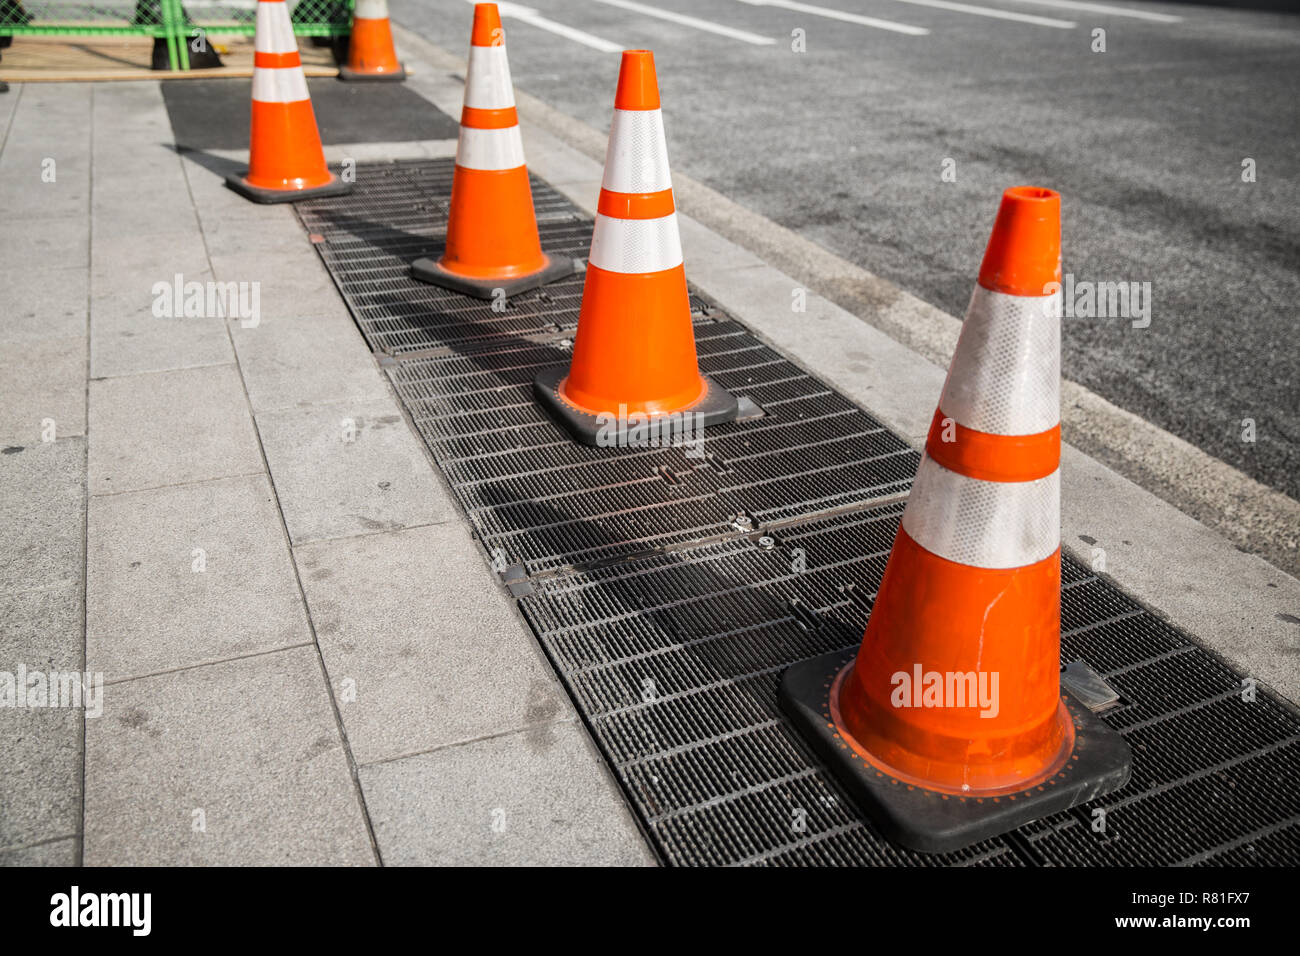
[(285, 159), (949, 724), (371, 54), (492, 243), (634, 376)]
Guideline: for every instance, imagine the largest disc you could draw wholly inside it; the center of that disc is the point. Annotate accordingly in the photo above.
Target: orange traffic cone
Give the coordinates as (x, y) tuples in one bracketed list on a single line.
[(634, 369), (492, 243), (949, 724), (371, 55), (285, 159)]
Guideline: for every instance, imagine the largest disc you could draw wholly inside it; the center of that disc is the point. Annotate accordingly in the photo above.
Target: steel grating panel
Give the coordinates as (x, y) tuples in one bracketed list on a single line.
[(534, 496), (674, 659), (671, 586), (396, 213)]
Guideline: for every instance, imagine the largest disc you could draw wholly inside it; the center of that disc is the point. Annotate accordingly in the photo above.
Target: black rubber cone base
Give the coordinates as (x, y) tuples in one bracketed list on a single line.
[(352, 76), (237, 182), (685, 427), (934, 822), (428, 270)]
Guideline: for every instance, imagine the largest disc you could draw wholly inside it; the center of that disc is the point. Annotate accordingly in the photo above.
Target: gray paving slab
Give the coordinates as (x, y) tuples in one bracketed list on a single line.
[(233, 764), (164, 428), (139, 321), (304, 355), (27, 198), (127, 338), (206, 174), (154, 602), (45, 245), (55, 853), (40, 745), (350, 468), (44, 302), (414, 623), (45, 386), (42, 514), (139, 226), (266, 244), (538, 797), (45, 164)]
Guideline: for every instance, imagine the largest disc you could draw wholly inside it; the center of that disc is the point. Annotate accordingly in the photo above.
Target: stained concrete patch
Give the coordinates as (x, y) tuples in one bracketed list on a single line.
[(42, 514), (414, 625), (349, 468), (238, 763), (169, 427), (538, 797), (40, 742), (213, 114), (183, 575)]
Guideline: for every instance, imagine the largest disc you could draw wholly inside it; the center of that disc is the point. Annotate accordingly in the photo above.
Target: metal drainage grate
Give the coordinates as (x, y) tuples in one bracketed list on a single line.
[(674, 659), (670, 591)]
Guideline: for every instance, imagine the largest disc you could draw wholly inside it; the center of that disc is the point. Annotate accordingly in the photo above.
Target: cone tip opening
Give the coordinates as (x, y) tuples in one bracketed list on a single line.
[(1023, 256), (487, 26), (638, 85)]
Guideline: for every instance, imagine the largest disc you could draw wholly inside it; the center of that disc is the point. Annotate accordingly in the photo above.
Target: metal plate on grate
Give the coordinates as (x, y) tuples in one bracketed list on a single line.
[(670, 591)]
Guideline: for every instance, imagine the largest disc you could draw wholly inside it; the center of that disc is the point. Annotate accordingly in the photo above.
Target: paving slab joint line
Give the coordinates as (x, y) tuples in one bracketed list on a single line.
[(79, 855), (357, 791), (208, 663), (15, 847), (470, 741)]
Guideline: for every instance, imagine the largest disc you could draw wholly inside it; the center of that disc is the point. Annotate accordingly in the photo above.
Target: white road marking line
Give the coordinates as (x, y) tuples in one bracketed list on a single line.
[(830, 14), (684, 20), (1106, 9), (995, 14), (533, 18)]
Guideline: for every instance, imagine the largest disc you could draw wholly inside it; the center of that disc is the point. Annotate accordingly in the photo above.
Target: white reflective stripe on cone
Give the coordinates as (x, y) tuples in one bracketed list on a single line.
[(636, 157), (287, 85), (490, 148), (487, 79), (984, 524), (1005, 376), (371, 10), (635, 245), (274, 31)]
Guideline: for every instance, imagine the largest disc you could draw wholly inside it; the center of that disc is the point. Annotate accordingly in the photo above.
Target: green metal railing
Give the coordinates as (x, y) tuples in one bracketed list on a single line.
[(183, 28)]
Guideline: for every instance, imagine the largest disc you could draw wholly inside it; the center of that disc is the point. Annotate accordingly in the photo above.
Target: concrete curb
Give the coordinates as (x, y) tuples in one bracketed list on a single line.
[(1234, 602)]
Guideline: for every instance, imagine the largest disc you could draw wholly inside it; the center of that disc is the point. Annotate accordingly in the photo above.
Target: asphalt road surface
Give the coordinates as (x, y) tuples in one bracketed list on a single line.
[(854, 144)]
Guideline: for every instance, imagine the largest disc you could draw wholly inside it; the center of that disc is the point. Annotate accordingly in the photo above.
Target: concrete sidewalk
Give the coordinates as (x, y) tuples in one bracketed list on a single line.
[(306, 659), (306, 656)]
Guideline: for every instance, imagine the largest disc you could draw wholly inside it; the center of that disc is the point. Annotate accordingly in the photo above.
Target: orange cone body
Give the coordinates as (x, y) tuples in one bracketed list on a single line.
[(285, 158), (955, 690), (634, 352), (973, 584), (492, 239), (371, 54)]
